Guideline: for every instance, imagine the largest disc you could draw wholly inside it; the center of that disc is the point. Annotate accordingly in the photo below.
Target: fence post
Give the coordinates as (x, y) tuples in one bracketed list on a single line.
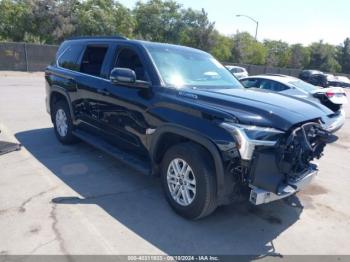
[(26, 56)]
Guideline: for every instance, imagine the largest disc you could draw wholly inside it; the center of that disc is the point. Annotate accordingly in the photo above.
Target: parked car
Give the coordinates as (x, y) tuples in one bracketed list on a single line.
[(332, 97), (176, 112), (314, 77), (237, 71), (340, 81)]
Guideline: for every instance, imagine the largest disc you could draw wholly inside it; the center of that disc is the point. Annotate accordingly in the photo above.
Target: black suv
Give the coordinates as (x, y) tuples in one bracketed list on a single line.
[(176, 112)]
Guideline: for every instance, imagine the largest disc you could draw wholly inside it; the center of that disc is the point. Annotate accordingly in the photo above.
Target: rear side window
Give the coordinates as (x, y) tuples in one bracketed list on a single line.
[(272, 85), (93, 60), (69, 57), (250, 83)]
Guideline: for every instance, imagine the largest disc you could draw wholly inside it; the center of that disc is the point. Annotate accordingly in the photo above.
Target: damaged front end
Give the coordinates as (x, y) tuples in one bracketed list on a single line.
[(280, 164)]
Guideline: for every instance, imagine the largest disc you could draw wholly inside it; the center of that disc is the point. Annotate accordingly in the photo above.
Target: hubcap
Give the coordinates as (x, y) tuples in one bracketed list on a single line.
[(181, 182), (61, 123)]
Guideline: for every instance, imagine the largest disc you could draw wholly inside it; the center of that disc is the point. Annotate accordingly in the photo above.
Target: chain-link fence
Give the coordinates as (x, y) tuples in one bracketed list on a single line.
[(26, 57), (261, 69)]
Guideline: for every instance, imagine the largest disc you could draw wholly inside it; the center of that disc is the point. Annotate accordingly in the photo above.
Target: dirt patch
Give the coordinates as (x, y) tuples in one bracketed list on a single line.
[(313, 190), (271, 219), (307, 202), (35, 230)]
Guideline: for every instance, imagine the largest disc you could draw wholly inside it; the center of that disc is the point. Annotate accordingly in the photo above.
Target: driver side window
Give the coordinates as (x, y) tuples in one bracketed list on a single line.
[(128, 58)]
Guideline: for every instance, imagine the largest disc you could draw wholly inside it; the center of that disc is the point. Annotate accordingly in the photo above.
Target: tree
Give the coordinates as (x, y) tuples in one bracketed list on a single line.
[(299, 56), (344, 56), (247, 50), (103, 17), (158, 20), (13, 24), (323, 57), (197, 31), (278, 53), (222, 47), (50, 21)]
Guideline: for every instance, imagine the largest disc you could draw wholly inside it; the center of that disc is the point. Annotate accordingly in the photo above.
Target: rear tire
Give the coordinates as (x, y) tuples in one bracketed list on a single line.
[(189, 181), (63, 123)]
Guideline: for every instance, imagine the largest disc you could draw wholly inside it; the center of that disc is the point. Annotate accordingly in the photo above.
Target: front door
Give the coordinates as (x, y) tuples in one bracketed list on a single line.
[(124, 116)]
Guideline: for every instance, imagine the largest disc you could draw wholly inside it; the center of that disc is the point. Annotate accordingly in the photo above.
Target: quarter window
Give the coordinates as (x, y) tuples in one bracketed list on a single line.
[(69, 57)]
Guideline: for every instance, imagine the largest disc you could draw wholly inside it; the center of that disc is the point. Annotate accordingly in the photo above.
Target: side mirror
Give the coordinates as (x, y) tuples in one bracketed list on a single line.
[(122, 75), (127, 77)]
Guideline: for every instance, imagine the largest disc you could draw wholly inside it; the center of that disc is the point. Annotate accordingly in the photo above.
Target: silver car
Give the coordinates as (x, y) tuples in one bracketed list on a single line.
[(332, 97), (237, 71)]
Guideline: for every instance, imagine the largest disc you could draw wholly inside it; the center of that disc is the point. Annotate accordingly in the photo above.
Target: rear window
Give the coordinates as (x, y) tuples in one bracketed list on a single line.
[(303, 85), (237, 70), (69, 57)]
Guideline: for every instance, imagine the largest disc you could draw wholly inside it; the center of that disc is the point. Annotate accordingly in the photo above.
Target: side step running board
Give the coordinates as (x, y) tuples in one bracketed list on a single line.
[(133, 162)]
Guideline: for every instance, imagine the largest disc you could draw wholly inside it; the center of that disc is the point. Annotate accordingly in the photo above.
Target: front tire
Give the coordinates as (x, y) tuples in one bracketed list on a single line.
[(188, 180), (63, 123)]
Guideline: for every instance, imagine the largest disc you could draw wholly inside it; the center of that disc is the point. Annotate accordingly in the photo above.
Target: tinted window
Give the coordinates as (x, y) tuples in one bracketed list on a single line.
[(128, 58), (69, 57), (303, 85), (318, 80), (250, 83), (93, 60), (272, 85)]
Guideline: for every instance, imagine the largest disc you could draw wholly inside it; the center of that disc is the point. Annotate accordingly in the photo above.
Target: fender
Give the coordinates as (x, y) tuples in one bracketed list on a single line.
[(198, 138), (64, 92), (71, 87)]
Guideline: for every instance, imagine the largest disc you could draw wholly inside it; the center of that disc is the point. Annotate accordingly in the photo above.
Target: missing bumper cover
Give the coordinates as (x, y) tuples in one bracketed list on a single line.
[(260, 196)]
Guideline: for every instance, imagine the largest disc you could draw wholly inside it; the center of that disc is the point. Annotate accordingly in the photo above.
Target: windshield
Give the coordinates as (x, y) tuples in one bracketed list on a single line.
[(180, 67), (303, 85)]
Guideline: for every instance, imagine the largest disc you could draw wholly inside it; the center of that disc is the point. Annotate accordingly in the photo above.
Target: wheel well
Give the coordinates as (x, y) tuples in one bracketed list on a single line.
[(54, 98), (167, 140)]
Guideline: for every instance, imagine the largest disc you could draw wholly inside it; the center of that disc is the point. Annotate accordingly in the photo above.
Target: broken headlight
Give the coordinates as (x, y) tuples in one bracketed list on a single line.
[(249, 136)]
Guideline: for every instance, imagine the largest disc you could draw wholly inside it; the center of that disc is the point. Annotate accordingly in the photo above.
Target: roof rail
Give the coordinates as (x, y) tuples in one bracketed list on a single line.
[(119, 37)]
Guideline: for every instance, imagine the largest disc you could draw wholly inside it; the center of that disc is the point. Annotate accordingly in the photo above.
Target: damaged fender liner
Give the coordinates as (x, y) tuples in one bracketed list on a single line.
[(274, 168)]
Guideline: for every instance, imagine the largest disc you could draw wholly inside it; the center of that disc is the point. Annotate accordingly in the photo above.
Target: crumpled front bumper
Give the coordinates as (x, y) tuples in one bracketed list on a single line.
[(260, 196)]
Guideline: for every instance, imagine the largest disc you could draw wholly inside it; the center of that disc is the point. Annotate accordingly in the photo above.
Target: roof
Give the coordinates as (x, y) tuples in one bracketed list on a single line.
[(113, 37), (139, 42)]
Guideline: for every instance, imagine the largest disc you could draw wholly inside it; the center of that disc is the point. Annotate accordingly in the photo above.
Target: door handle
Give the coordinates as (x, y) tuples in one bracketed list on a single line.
[(103, 92)]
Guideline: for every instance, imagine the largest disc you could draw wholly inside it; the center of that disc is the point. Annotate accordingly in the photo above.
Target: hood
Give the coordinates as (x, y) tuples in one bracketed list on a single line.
[(261, 107)]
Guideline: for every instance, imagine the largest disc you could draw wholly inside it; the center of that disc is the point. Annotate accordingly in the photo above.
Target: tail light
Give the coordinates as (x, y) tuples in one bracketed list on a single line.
[(329, 94)]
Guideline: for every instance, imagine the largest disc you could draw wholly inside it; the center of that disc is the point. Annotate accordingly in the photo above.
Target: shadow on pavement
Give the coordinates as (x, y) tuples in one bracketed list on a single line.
[(137, 202)]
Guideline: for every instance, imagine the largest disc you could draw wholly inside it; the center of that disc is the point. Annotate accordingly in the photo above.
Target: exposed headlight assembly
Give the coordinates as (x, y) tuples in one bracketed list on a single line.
[(249, 136)]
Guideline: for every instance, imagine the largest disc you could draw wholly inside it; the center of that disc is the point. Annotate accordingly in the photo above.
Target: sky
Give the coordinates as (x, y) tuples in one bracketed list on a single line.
[(293, 21)]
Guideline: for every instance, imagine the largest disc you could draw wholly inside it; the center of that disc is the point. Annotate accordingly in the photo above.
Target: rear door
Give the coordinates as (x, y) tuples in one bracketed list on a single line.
[(92, 84)]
